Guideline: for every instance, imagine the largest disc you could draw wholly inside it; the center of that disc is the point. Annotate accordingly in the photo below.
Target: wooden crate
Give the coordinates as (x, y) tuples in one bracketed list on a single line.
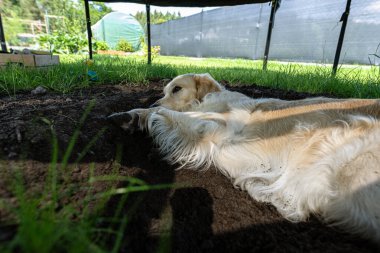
[(29, 60)]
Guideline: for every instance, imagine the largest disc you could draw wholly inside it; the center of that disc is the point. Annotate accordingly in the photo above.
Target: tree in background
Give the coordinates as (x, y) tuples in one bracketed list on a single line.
[(67, 32), (73, 23), (156, 17), (9, 15)]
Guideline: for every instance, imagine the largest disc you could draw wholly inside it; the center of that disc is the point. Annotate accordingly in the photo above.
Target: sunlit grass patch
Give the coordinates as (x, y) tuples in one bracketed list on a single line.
[(351, 81)]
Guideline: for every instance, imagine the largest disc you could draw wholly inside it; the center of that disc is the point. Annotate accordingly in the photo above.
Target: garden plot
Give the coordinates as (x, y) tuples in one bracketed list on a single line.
[(186, 210)]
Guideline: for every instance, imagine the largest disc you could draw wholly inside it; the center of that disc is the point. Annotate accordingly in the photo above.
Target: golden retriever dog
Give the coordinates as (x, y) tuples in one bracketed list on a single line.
[(317, 156)]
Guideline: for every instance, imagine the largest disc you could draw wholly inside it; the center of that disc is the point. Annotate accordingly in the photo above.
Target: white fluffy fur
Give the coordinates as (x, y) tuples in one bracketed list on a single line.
[(314, 156)]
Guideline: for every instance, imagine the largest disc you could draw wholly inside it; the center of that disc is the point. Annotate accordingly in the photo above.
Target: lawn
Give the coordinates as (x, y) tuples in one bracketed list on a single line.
[(351, 81)]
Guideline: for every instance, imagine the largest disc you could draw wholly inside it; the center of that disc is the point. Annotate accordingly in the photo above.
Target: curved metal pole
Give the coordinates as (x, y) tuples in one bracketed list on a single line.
[(344, 18), (275, 6)]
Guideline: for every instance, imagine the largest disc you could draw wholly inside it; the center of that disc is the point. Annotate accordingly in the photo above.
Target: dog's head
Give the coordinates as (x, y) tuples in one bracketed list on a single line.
[(185, 90)]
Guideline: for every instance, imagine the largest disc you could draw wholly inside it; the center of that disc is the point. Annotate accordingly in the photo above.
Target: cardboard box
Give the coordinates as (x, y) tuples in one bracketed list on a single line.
[(29, 60)]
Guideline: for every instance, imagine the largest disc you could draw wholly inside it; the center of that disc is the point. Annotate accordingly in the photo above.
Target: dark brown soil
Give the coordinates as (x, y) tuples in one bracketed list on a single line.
[(204, 214)]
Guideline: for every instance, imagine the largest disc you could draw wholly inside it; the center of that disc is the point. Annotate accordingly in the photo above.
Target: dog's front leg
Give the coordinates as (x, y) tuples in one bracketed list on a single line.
[(194, 126), (187, 138)]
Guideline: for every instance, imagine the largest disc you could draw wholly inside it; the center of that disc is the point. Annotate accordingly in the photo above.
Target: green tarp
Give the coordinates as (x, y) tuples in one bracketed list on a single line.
[(116, 26)]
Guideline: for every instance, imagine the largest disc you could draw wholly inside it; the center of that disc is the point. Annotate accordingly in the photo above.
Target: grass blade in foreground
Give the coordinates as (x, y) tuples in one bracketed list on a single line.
[(46, 224)]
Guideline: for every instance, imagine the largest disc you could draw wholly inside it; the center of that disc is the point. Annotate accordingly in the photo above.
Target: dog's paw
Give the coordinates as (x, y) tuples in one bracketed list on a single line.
[(132, 120), (125, 120)]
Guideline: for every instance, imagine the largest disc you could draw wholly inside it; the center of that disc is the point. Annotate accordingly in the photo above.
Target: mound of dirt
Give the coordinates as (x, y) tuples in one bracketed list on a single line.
[(205, 213)]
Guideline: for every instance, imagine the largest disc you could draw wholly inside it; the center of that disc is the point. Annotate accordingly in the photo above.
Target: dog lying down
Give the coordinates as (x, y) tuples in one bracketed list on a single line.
[(316, 156)]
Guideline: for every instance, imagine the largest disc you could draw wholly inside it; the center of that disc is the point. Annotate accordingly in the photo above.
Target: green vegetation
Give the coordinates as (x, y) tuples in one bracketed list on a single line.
[(354, 81), (156, 17), (124, 45), (100, 45), (63, 43), (59, 26), (65, 20), (47, 223)]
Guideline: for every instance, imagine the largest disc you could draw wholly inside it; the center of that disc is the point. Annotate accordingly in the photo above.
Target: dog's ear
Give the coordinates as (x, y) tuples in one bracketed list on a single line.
[(206, 84)]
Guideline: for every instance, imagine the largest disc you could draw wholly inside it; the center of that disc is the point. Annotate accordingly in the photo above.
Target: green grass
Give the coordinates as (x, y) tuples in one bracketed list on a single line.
[(351, 81), (44, 220)]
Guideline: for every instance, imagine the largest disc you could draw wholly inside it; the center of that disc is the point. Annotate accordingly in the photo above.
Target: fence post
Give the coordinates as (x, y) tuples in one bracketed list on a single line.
[(47, 25), (2, 37), (148, 30), (343, 19), (89, 33), (275, 6)]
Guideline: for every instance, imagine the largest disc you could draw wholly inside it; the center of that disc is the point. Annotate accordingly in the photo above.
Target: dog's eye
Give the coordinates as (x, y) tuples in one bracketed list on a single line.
[(176, 89)]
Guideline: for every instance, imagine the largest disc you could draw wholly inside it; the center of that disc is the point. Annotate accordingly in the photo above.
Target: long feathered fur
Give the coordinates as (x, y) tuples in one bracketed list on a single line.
[(315, 156)]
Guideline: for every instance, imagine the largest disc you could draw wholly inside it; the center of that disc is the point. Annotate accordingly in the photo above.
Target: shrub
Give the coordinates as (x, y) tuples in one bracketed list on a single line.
[(63, 43), (124, 45), (155, 50), (101, 45)]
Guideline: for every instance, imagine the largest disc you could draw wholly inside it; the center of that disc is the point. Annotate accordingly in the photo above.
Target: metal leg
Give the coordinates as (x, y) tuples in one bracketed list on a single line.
[(89, 33), (148, 30), (343, 19), (275, 6), (2, 37)]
